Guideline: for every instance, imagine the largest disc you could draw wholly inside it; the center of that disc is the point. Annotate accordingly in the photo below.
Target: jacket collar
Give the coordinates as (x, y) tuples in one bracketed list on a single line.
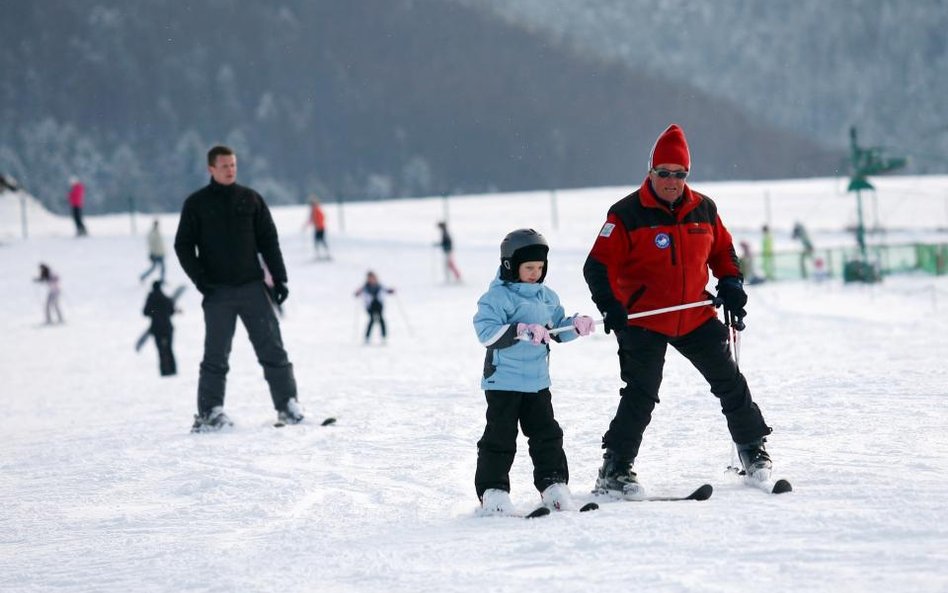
[(682, 206)]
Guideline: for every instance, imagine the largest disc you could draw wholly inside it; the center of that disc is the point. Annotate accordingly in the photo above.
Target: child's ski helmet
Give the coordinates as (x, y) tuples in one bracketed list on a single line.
[(520, 246)]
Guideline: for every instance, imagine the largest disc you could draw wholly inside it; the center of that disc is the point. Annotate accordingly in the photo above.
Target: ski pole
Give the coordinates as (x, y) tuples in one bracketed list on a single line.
[(401, 310), (647, 313), (553, 332)]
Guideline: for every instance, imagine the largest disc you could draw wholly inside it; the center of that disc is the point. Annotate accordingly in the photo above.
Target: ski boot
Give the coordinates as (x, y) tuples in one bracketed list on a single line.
[(755, 460), (616, 478), (496, 502), (213, 421), (557, 497), (291, 414)]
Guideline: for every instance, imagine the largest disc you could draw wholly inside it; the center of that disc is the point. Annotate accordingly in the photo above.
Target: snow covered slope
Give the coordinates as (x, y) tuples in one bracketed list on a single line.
[(102, 488)]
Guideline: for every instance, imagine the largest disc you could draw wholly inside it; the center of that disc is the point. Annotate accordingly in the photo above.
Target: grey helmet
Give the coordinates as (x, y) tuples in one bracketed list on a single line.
[(519, 246)]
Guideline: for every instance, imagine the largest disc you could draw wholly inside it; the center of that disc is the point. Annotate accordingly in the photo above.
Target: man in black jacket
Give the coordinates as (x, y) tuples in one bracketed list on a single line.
[(160, 307), (222, 228)]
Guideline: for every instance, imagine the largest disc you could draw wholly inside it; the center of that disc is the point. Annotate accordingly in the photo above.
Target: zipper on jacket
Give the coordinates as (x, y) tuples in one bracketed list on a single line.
[(671, 241)]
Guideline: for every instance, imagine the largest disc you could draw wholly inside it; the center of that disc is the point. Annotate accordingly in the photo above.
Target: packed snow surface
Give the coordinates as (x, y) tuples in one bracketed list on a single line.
[(103, 489)]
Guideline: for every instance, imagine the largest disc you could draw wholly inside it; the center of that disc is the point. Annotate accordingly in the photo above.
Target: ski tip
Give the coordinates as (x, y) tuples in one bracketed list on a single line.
[(538, 512), (328, 422), (781, 486), (589, 506), (702, 493)]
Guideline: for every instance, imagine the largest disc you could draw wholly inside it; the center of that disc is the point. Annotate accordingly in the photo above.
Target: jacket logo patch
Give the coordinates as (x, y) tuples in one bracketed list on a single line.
[(606, 229), (662, 241)]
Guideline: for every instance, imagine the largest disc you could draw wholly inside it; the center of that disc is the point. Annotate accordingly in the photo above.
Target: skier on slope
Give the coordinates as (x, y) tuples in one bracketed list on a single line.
[(160, 307), (223, 227), (373, 294), (156, 253), (317, 218), (513, 320), (47, 275), (654, 251)]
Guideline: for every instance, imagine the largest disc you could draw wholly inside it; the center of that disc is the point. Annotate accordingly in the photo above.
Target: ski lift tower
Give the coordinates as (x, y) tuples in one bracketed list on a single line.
[(863, 163)]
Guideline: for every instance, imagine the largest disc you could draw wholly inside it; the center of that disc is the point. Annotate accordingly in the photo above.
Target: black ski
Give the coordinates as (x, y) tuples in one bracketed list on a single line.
[(537, 512), (702, 493)]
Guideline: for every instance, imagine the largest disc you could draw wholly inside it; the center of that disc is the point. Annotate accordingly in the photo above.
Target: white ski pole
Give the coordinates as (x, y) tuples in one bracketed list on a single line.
[(553, 332), (647, 313)]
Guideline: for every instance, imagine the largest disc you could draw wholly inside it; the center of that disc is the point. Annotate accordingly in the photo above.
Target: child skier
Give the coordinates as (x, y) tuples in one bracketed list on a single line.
[(372, 293), (52, 298), (513, 320)]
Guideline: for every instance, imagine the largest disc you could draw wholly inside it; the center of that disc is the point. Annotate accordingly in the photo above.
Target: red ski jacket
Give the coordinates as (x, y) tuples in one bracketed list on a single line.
[(649, 255)]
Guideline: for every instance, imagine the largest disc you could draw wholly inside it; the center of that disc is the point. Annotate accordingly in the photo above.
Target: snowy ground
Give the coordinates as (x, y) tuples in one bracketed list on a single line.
[(102, 488)]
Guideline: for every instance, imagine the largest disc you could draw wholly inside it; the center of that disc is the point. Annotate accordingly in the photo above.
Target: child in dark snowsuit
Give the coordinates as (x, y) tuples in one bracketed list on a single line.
[(160, 307), (372, 294), (513, 321)]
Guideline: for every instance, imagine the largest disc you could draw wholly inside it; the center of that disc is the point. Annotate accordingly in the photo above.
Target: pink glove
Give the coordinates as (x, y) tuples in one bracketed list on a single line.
[(584, 325), (534, 332)]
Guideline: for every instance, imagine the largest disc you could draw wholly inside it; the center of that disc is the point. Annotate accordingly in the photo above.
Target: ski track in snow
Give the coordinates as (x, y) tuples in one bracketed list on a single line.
[(102, 488)]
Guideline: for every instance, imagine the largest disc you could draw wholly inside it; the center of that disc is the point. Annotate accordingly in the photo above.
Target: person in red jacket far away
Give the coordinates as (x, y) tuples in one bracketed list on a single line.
[(655, 250), (77, 197)]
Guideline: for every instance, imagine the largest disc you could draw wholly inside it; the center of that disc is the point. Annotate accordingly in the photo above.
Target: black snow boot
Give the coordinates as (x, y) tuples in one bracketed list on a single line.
[(617, 478)]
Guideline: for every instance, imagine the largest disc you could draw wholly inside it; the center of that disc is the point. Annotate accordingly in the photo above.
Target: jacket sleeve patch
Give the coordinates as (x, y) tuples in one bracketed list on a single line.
[(607, 229)]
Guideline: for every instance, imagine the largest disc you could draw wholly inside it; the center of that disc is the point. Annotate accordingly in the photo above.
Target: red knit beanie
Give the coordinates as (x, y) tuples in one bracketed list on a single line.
[(671, 148)]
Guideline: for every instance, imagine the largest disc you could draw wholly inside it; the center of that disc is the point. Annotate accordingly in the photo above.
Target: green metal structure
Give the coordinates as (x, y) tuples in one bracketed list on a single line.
[(863, 163)]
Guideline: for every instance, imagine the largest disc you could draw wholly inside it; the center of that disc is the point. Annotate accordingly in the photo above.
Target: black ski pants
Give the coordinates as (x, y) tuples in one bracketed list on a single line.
[(375, 314), (166, 362), (498, 445), (251, 304), (641, 361)]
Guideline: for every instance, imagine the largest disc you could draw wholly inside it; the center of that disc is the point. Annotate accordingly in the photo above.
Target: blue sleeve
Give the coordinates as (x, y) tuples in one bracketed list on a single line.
[(491, 324)]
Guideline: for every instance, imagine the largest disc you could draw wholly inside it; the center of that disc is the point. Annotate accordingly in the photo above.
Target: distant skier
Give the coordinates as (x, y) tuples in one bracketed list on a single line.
[(156, 253), (800, 233), (317, 218), (372, 294), (77, 196), (513, 321), (747, 265), (47, 275), (160, 307), (767, 252), (447, 246)]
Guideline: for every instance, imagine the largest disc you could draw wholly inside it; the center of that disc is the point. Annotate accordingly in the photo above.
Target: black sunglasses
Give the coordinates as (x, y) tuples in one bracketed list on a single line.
[(665, 173)]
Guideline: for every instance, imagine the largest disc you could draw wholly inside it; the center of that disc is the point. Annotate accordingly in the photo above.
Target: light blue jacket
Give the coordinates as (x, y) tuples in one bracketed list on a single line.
[(511, 364)]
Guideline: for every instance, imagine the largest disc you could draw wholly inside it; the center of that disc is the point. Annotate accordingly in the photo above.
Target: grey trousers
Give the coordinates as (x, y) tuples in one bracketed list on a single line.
[(251, 304)]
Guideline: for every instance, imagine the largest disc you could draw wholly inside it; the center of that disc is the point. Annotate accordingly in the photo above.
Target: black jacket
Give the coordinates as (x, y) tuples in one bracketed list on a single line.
[(222, 228), (160, 308)]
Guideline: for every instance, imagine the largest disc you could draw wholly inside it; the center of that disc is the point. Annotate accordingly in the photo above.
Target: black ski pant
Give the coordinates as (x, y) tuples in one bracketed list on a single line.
[(166, 362), (251, 304), (375, 314), (77, 218), (641, 361), (498, 445)]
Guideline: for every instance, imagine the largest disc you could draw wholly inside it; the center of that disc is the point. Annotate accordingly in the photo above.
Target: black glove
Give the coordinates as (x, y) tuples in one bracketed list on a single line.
[(731, 294), (615, 317), (280, 292)]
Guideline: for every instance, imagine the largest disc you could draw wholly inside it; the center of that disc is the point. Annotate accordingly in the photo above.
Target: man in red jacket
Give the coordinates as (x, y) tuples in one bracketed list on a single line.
[(654, 251)]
